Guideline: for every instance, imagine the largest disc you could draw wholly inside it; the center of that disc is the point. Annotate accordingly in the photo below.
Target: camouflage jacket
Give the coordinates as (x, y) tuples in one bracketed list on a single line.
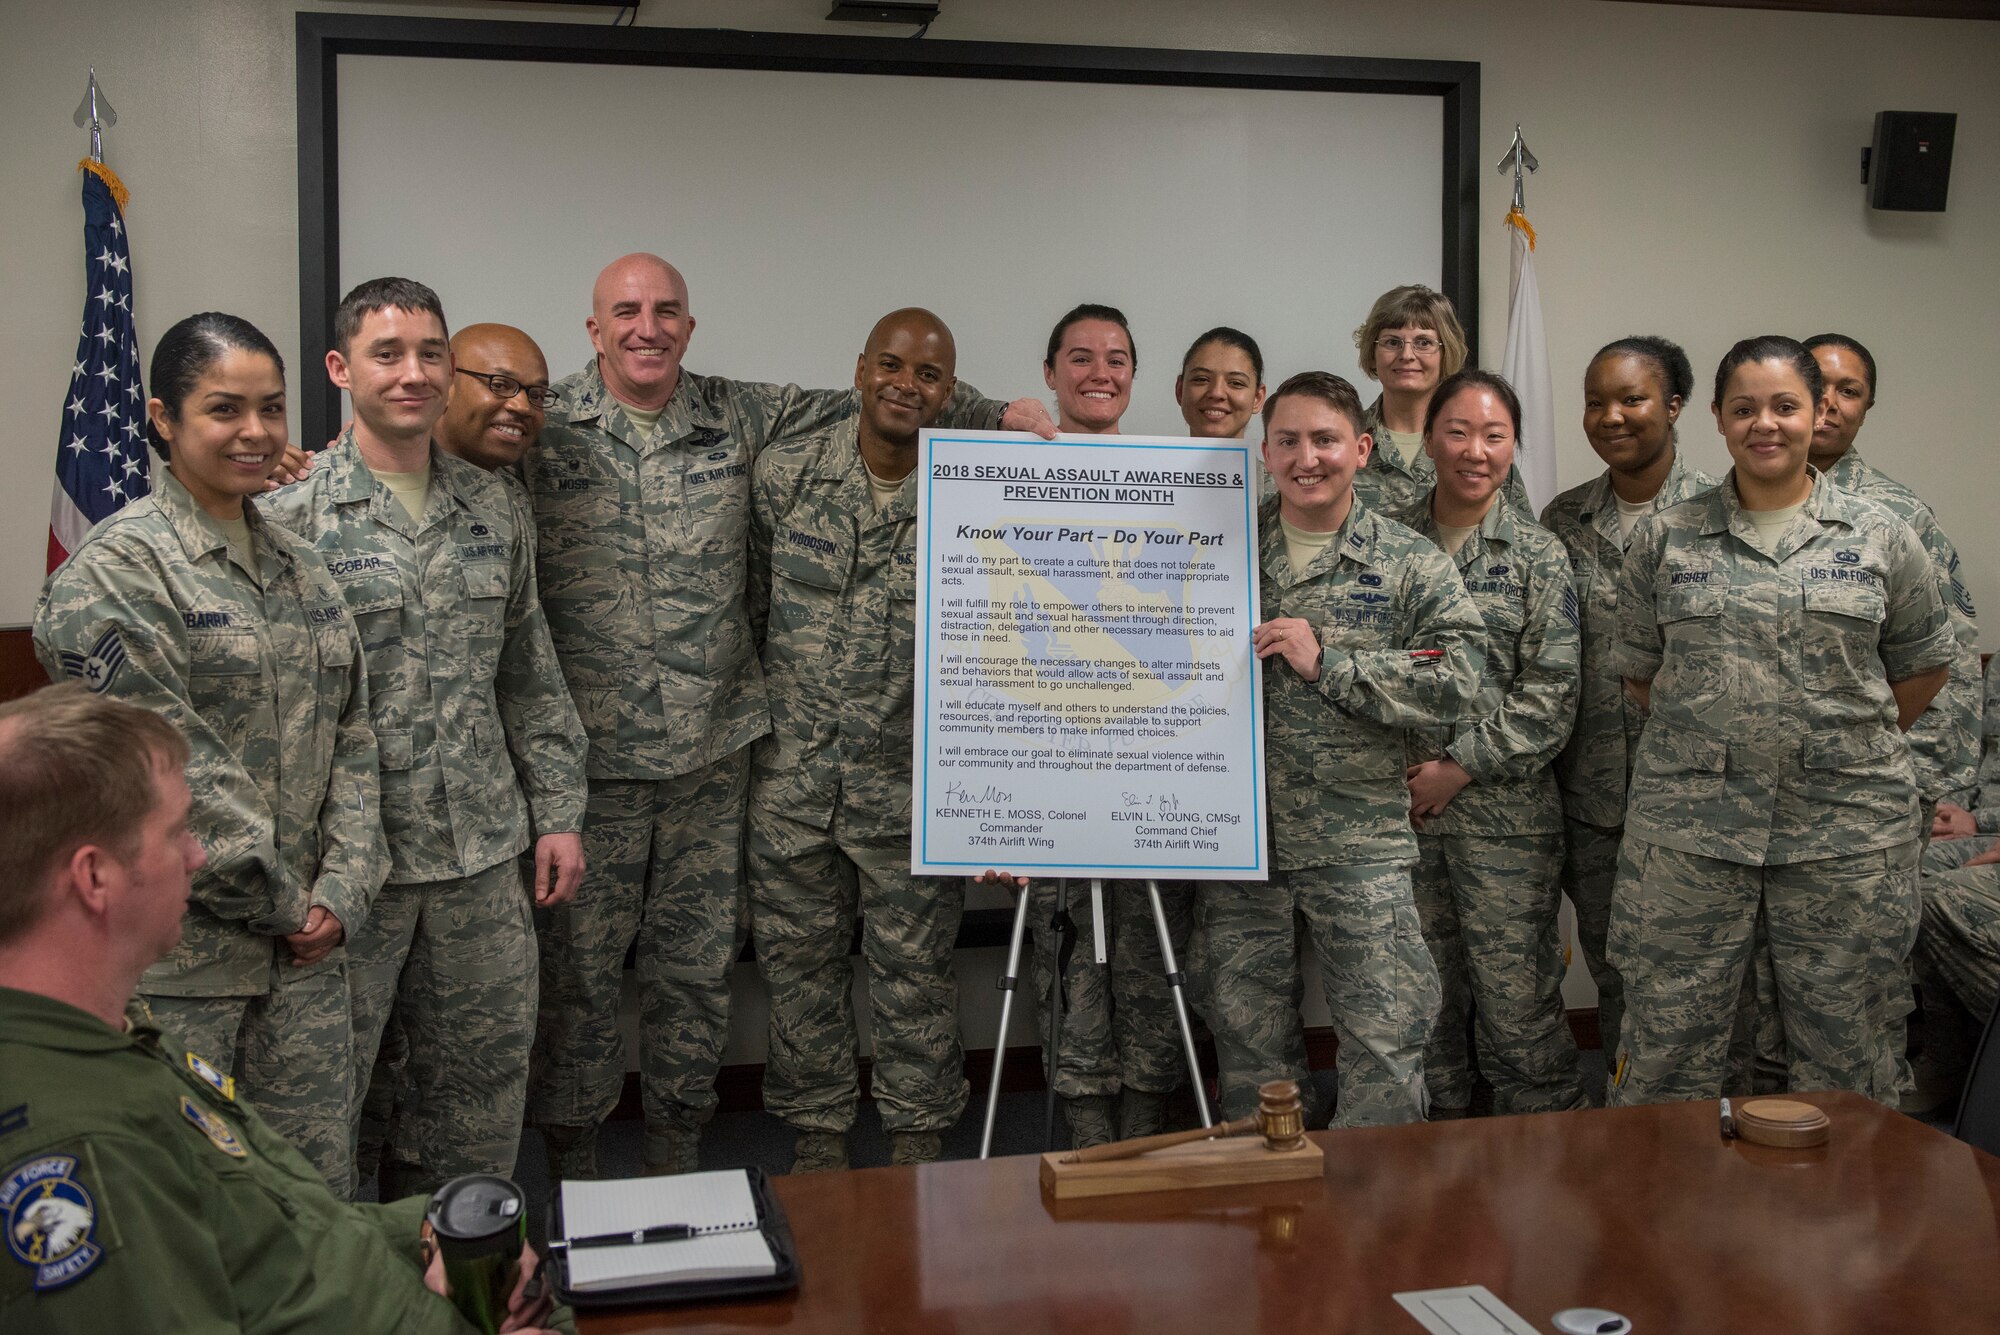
[(1983, 799), (1945, 738), (462, 682), (833, 592), (1595, 768), (1509, 733), (1772, 736), (1378, 596), (259, 668), (1391, 488), (643, 542)]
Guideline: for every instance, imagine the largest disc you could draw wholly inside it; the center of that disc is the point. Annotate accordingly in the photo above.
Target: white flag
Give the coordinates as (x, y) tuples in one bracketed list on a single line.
[(1525, 364)]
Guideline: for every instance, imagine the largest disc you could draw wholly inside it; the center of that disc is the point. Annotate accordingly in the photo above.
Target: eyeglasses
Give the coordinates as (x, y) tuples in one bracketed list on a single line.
[(506, 387), (1423, 345)]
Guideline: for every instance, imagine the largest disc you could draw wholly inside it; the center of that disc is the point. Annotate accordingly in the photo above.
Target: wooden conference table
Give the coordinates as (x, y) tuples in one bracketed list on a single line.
[(1646, 1211)]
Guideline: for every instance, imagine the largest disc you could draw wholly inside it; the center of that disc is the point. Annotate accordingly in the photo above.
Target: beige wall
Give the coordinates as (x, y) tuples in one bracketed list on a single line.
[(1699, 181)]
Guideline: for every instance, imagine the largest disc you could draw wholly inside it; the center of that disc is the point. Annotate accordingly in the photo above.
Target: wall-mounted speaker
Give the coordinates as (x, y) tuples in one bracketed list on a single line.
[(1908, 168)]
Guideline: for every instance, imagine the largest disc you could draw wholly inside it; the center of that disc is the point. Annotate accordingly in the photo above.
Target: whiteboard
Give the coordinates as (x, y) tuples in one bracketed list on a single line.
[(803, 205)]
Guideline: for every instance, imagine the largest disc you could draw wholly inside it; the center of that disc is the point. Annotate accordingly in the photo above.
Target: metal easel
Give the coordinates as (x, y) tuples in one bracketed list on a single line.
[(1064, 926)]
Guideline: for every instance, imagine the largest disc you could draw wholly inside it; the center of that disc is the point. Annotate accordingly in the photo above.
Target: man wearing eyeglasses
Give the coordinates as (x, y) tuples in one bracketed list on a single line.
[(641, 487), (436, 560)]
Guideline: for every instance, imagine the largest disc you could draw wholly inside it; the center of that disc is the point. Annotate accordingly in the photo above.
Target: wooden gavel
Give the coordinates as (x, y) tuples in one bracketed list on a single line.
[(1280, 1117)]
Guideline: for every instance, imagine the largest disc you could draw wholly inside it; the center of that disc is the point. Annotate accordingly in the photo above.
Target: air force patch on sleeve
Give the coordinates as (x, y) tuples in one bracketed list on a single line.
[(99, 667), (51, 1220), (208, 1075), (217, 1130)]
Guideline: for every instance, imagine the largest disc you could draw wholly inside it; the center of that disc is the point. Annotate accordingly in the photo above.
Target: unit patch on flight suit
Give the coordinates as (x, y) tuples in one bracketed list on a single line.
[(51, 1220), (214, 1128)]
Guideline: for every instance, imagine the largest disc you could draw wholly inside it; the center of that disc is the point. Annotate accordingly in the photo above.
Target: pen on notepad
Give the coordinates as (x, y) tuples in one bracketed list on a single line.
[(1728, 1122), (637, 1237)]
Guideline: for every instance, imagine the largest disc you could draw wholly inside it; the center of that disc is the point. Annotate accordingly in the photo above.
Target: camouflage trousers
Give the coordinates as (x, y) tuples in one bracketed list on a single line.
[(1489, 906), (1943, 855), (1682, 935), (662, 868), (291, 1052), (454, 961), (1119, 1030), (1381, 986), (1957, 956), (1590, 869), (809, 888)]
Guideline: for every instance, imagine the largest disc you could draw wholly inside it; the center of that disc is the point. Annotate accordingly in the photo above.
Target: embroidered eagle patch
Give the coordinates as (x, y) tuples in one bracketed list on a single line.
[(51, 1220)]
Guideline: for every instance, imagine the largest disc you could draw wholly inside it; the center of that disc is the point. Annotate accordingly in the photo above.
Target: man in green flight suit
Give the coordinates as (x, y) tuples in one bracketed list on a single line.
[(136, 1193)]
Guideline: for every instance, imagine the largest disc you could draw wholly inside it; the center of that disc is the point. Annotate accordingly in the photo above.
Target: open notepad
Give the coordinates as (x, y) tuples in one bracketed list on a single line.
[(728, 1242)]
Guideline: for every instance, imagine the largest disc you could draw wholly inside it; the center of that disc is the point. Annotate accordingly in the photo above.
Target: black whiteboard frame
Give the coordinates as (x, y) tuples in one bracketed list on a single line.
[(323, 38)]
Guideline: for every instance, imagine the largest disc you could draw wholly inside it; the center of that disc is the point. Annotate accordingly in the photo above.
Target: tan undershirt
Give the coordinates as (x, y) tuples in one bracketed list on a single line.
[(1451, 537), (643, 418), (1770, 523), (1629, 515), (881, 488), (411, 490), (1302, 545), (1407, 444), (237, 531)]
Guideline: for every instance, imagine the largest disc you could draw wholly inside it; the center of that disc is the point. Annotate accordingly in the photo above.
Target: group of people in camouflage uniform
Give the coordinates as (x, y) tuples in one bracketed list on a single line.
[(520, 677)]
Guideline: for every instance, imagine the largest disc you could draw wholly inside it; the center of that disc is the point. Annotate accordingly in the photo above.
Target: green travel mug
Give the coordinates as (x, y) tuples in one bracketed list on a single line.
[(481, 1223)]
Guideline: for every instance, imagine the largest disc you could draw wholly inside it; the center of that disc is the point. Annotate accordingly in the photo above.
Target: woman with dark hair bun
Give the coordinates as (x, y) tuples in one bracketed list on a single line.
[(190, 603), (1482, 796), (1634, 391), (1784, 634)]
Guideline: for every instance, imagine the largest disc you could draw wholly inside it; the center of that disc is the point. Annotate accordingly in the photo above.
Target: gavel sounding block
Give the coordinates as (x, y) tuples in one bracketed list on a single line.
[(1785, 1123), (1199, 1163)]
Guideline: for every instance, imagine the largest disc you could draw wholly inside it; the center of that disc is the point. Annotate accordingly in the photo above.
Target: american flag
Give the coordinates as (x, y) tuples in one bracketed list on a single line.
[(101, 462)]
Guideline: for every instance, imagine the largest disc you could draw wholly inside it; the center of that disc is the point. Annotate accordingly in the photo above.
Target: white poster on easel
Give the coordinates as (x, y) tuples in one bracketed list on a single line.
[(1087, 703)]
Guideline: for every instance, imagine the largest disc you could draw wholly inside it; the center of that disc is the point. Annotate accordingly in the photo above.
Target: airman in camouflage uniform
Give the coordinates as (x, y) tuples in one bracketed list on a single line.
[(1120, 1053), (478, 738), (1392, 486), (1488, 867), (1976, 810), (257, 662), (642, 550), (1771, 773), (1957, 963), (1594, 770), (833, 593), (1399, 647)]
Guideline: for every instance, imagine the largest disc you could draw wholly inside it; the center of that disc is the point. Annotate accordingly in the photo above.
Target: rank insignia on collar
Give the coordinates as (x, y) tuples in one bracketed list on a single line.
[(208, 1075), (51, 1220), (214, 1128)]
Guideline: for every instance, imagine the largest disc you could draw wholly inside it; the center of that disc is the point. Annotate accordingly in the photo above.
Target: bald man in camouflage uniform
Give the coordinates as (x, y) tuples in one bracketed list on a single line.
[(641, 491), (1390, 640), (1771, 776), (255, 657), (1489, 865), (1594, 770), (478, 738)]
